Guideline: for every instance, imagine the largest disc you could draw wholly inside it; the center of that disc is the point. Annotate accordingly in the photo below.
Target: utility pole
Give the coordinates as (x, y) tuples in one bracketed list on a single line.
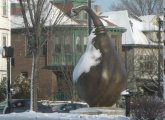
[(164, 48), (7, 53), (159, 59)]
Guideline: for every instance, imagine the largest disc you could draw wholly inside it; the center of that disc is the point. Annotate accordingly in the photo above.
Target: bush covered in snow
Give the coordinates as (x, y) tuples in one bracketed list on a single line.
[(21, 87), (147, 108), (2, 90)]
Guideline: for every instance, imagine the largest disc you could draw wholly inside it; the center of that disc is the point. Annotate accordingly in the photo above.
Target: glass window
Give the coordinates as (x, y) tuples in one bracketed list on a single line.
[(4, 39), (57, 44), (29, 44), (115, 42), (78, 44), (67, 43), (85, 42), (147, 63), (85, 16), (5, 7), (44, 49)]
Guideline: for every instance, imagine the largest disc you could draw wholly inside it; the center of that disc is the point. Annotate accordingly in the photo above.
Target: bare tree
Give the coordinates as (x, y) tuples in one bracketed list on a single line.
[(67, 73), (139, 7), (38, 15)]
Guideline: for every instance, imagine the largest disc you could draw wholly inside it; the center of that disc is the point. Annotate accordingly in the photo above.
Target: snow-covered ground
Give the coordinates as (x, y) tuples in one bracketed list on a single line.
[(59, 116)]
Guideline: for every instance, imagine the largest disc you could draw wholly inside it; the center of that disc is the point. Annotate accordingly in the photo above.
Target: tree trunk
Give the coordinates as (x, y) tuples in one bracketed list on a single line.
[(34, 85)]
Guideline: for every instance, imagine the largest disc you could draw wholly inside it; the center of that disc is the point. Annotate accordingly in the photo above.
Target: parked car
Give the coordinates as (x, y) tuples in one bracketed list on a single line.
[(22, 105), (67, 107)]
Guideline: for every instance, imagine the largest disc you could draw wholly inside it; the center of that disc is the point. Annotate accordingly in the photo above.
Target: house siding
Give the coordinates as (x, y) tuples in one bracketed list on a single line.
[(4, 31)]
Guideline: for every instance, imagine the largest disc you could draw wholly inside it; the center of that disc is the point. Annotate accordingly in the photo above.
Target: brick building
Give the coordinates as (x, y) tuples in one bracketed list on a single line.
[(22, 64)]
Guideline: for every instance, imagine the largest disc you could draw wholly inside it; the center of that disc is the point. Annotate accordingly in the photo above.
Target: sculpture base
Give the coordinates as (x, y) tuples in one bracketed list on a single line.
[(100, 110)]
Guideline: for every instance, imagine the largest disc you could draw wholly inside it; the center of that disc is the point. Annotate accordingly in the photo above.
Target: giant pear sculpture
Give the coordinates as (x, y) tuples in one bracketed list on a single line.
[(100, 75)]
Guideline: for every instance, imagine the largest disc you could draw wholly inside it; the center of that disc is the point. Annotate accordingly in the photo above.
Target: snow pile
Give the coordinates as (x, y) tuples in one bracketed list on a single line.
[(99, 110), (58, 116), (125, 92), (90, 58)]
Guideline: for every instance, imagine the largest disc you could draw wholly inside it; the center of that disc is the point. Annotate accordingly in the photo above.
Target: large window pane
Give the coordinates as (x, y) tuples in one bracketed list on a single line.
[(78, 44), (67, 43), (4, 7)]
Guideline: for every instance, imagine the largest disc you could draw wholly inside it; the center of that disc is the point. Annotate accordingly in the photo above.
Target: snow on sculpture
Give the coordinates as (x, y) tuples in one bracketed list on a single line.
[(89, 59), (99, 76)]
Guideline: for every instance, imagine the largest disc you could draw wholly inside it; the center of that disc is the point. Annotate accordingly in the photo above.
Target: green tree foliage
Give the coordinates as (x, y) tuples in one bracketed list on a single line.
[(21, 88)]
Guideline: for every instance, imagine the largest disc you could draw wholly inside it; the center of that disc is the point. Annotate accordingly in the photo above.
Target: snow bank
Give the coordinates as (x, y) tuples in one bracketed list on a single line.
[(88, 59), (58, 116), (99, 110)]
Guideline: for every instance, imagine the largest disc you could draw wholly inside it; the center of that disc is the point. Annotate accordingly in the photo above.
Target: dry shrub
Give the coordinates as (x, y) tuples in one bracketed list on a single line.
[(147, 108)]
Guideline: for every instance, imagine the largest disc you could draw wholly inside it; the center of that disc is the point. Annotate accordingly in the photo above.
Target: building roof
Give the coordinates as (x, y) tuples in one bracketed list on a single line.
[(147, 18), (151, 19), (134, 34), (55, 16)]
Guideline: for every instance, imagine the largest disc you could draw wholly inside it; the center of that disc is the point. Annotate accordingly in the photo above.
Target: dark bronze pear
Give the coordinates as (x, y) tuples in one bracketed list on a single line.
[(102, 84)]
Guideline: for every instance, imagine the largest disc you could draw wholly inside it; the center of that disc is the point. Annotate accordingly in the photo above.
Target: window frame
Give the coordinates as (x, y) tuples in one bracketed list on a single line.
[(4, 41), (4, 8)]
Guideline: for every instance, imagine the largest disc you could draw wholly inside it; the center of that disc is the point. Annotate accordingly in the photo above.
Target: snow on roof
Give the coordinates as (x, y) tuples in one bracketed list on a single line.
[(147, 18), (149, 27), (55, 16), (107, 23), (134, 34), (151, 21), (14, 1)]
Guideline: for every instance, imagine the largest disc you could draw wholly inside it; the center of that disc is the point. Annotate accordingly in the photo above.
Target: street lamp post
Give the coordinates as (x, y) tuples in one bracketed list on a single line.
[(126, 95), (159, 56), (7, 53), (164, 49)]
